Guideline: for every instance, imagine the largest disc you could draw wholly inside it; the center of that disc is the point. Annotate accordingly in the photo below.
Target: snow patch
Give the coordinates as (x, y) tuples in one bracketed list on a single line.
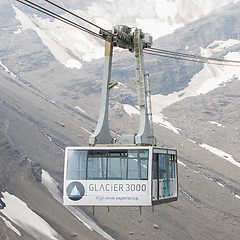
[(33, 224), (9, 224), (61, 39), (221, 154), (217, 124), (87, 130), (218, 46), (191, 140), (80, 109), (73, 63), (183, 164), (162, 122), (130, 110), (186, 194), (237, 196), (220, 184), (5, 68), (51, 184)]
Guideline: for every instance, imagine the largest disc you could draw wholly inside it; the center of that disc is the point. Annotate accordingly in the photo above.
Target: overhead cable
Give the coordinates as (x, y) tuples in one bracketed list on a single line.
[(172, 53), (190, 59), (75, 15), (56, 16)]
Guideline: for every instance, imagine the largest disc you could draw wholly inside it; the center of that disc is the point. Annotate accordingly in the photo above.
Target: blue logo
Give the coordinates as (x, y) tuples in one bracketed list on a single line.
[(75, 191)]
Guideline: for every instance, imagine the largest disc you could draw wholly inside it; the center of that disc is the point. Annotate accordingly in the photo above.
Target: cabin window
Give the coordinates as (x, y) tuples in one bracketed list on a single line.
[(155, 172), (76, 165), (137, 165), (112, 165), (172, 166), (96, 168), (162, 166), (117, 166)]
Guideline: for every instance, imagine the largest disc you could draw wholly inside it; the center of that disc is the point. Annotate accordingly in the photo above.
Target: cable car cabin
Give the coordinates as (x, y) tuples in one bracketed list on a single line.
[(120, 176)]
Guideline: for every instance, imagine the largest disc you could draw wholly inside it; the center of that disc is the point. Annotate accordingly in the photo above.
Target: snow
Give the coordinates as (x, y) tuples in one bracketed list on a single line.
[(47, 136), (237, 196), (86, 130), (221, 154), (216, 123), (158, 17), (5, 68), (220, 184), (130, 110), (186, 194), (183, 164), (9, 224), (80, 109), (71, 46), (73, 63), (33, 224), (61, 39), (218, 46), (51, 184), (162, 122), (207, 177), (208, 79)]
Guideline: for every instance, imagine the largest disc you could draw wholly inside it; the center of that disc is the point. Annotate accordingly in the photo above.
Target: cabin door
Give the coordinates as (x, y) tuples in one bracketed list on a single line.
[(160, 182)]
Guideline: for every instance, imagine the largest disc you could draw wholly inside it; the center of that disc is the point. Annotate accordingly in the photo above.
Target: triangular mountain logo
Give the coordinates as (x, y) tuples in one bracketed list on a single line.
[(75, 191)]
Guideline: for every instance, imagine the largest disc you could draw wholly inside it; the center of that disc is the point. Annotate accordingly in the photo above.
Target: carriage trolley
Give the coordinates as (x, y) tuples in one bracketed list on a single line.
[(120, 176), (135, 172)]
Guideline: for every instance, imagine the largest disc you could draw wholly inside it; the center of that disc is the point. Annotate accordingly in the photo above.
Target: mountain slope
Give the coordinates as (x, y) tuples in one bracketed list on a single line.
[(198, 204)]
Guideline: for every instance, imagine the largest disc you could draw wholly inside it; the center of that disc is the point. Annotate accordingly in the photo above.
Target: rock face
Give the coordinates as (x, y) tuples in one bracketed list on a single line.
[(9, 156), (37, 171), (2, 203), (34, 170)]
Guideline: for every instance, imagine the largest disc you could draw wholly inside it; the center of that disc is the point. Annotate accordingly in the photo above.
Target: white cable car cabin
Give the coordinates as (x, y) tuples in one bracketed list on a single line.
[(134, 173), (120, 176)]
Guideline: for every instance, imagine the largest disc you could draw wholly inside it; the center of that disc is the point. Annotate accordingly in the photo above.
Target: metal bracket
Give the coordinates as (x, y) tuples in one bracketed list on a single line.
[(144, 136), (101, 134)]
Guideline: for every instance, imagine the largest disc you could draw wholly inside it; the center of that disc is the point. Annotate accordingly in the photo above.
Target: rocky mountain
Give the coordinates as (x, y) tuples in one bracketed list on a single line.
[(49, 99)]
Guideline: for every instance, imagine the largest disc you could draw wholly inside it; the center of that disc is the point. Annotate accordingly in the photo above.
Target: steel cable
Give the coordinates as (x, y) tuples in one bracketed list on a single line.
[(172, 53), (56, 16)]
